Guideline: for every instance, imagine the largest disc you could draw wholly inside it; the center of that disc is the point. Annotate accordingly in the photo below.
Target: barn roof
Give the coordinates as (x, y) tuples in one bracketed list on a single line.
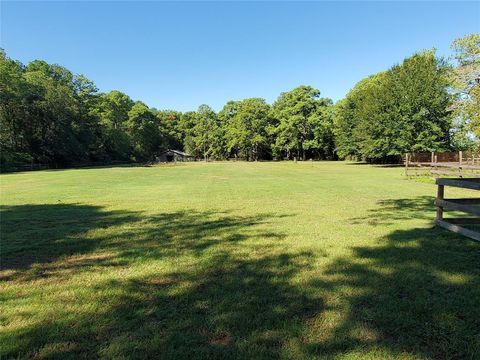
[(178, 152)]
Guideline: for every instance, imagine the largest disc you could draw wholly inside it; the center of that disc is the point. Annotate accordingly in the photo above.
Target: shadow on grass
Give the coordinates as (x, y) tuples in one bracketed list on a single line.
[(418, 292), (415, 294), (39, 234), (38, 239), (36, 234), (218, 302), (230, 308), (392, 211)]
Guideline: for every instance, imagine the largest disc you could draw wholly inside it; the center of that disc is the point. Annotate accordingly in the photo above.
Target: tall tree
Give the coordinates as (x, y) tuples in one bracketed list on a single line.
[(465, 80), (169, 125), (246, 124), (14, 112), (402, 110), (299, 112), (202, 139), (112, 110), (54, 123), (348, 116), (143, 129)]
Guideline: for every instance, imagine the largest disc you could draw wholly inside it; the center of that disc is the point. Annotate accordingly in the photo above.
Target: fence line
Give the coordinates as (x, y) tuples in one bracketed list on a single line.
[(458, 164)]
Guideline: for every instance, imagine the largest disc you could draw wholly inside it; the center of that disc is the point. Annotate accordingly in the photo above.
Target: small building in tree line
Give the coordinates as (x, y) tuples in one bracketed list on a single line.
[(174, 155)]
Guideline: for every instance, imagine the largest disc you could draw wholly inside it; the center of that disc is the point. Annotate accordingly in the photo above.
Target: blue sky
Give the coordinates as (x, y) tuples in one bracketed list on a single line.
[(180, 55)]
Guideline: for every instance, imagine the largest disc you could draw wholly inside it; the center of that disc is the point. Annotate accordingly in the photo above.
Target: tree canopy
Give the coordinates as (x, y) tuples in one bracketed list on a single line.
[(48, 115), (303, 124), (465, 81), (246, 125), (404, 109)]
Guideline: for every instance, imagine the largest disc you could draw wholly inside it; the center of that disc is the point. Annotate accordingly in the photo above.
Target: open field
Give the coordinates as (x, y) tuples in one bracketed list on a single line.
[(233, 260)]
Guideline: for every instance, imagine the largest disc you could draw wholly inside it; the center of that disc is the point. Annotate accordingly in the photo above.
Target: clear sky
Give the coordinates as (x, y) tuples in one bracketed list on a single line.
[(178, 55)]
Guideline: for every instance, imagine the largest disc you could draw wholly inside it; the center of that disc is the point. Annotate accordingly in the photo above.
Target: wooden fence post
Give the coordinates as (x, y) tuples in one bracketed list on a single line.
[(440, 196), (406, 164)]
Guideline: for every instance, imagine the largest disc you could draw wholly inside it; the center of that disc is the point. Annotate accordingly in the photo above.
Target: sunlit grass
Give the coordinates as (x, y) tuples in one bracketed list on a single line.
[(233, 260)]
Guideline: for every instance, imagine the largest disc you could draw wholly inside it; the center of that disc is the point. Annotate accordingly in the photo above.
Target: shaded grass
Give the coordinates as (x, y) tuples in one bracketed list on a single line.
[(267, 260)]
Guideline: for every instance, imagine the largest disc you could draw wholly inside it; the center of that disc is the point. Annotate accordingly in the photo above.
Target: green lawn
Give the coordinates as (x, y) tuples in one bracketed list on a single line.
[(233, 260)]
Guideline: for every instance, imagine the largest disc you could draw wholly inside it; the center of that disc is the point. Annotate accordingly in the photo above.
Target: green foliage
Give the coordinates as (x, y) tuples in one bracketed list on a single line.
[(113, 109), (169, 125), (246, 124), (462, 137), (143, 129), (404, 109), (203, 135), (304, 124), (49, 115), (14, 96), (465, 80), (43, 113)]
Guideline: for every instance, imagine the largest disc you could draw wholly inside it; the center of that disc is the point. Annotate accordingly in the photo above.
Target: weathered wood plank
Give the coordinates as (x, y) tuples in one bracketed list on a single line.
[(452, 205), (458, 229), (440, 197), (466, 183), (472, 201), (406, 164), (464, 221)]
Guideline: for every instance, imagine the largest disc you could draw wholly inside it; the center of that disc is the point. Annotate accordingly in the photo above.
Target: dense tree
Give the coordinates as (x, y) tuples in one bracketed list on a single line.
[(49, 115), (47, 120), (404, 109), (44, 114), (350, 111), (465, 80), (169, 124), (14, 115), (422, 118), (202, 135), (142, 126), (112, 111), (185, 126), (246, 123), (302, 118)]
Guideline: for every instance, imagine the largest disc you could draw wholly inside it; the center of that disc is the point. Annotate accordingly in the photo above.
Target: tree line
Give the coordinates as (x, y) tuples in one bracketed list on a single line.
[(423, 104), (49, 115)]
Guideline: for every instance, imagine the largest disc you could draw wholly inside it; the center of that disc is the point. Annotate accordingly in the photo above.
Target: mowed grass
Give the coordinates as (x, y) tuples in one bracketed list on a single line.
[(233, 260)]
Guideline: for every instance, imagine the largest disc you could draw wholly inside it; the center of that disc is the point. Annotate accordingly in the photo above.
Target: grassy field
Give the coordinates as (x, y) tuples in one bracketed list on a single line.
[(233, 260)]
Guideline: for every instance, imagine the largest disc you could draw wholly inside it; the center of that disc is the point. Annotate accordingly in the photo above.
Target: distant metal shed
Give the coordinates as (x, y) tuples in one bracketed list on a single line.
[(174, 155)]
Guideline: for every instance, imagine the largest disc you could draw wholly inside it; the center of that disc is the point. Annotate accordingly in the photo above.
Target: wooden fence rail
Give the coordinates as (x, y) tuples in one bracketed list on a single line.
[(459, 164), (469, 206)]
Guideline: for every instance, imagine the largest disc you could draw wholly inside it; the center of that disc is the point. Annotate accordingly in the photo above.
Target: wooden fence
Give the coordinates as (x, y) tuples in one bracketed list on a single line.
[(37, 166), (457, 164), (465, 205)]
